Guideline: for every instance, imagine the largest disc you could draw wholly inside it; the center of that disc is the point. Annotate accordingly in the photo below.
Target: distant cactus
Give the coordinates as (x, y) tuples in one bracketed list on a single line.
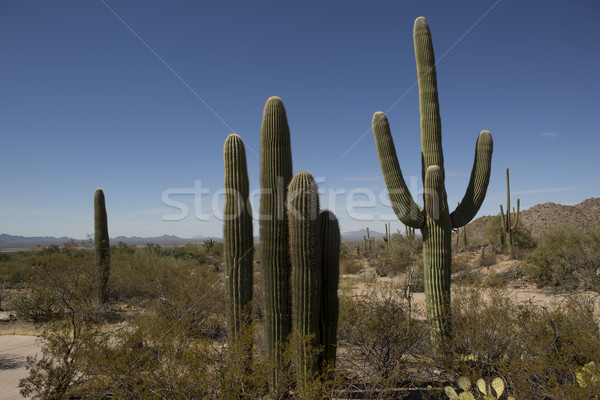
[(238, 246), (305, 242), (434, 220), (409, 232), (330, 276), (102, 245), (275, 176), (508, 228)]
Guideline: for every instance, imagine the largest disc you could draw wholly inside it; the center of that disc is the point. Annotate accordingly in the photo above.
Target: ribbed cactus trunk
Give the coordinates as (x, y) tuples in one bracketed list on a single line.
[(508, 227), (238, 246), (101, 244), (330, 277), (275, 176), (434, 220), (304, 229)]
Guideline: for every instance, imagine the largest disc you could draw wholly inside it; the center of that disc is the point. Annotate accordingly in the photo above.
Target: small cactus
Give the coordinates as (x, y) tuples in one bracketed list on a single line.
[(101, 244)]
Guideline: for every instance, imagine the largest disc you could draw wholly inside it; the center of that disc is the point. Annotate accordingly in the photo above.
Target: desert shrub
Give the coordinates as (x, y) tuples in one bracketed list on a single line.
[(350, 266), (15, 269), (568, 258), (537, 351), (376, 332), (486, 257), (173, 349), (39, 304)]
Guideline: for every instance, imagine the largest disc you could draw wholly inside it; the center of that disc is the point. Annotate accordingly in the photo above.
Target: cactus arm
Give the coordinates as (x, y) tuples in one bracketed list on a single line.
[(517, 213), (502, 217), (431, 126), (433, 192), (478, 183), (402, 202)]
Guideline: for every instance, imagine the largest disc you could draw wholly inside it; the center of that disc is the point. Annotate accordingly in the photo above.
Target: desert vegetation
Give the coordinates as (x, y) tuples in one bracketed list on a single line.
[(301, 314), (164, 331)]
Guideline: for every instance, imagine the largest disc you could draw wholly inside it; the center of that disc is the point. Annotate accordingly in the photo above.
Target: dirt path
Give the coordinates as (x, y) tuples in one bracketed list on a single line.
[(13, 355)]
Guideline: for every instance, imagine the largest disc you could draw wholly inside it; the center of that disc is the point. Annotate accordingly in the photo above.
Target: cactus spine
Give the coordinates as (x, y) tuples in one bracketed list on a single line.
[(434, 220), (238, 246), (508, 228), (304, 230), (101, 244), (330, 276), (275, 176)]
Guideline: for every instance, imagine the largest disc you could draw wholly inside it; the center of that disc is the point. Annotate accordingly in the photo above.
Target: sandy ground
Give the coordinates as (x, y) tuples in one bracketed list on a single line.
[(13, 354)]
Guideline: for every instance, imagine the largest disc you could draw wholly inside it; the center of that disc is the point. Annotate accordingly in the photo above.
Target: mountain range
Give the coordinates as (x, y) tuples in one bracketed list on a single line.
[(536, 219)]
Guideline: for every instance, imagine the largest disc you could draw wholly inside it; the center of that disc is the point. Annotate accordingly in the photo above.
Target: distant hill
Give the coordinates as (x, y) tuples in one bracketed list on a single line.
[(539, 218), (18, 242), (358, 235)]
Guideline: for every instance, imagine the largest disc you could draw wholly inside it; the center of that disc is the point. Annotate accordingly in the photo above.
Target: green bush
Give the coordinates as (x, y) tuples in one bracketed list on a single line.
[(537, 351), (495, 235), (376, 331), (350, 266), (568, 258), (40, 304)]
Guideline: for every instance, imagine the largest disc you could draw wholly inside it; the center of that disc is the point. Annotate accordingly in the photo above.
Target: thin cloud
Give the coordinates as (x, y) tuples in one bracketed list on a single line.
[(550, 134)]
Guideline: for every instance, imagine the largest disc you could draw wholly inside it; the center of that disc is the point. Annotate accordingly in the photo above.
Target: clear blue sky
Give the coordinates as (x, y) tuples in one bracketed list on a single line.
[(137, 97)]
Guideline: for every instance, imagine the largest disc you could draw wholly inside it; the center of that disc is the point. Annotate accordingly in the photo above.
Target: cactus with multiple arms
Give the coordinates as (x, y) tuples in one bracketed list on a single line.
[(275, 176), (101, 244), (508, 228), (305, 243), (434, 220), (238, 246), (330, 275)]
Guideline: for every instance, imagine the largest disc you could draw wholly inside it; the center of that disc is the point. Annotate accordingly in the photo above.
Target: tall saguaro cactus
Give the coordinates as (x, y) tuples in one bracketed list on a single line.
[(508, 228), (305, 243), (238, 246), (101, 244), (275, 176), (434, 220), (330, 277)]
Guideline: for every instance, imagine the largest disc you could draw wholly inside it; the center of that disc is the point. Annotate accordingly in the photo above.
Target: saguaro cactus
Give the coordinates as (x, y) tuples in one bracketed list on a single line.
[(305, 242), (434, 220), (238, 246), (101, 244), (330, 277), (275, 176), (508, 228)]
